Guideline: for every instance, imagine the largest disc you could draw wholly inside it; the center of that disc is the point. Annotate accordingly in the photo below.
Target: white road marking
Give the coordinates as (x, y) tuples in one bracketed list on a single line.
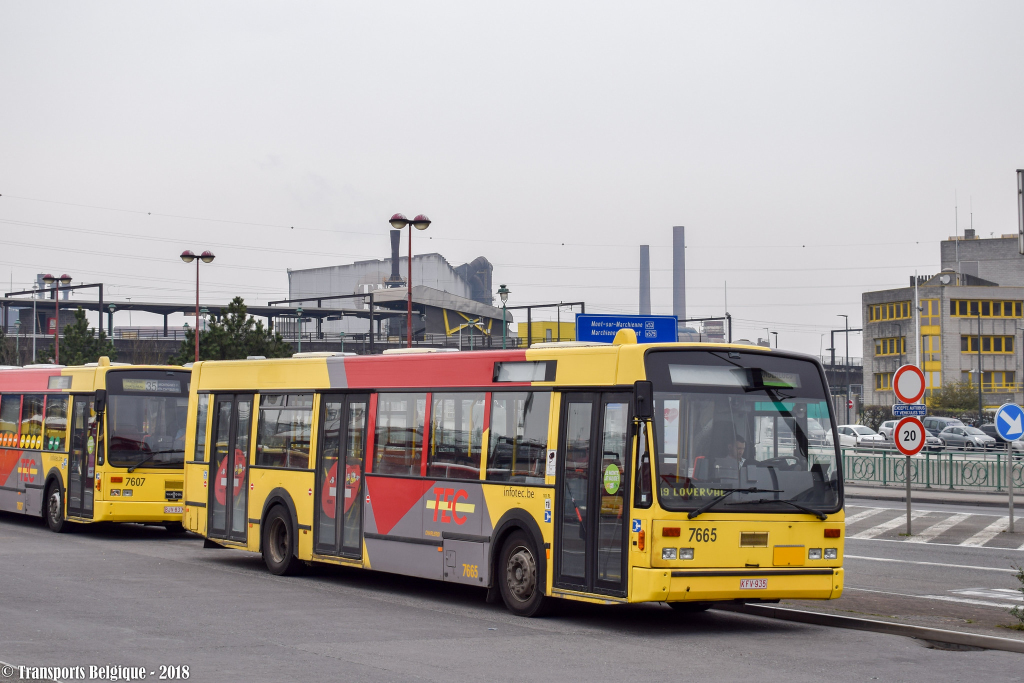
[(890, 525), (992, 593), (944, 598), (938, 528), (936, 564), (988, 533), (947, 545), (863, 515)]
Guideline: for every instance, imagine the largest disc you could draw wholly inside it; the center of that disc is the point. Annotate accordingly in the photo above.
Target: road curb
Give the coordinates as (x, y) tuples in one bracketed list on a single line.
[(923, 499), (937, 635)]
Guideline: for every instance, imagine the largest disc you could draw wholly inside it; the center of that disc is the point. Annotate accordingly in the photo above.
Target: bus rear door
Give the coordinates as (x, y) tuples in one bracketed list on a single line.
[(229, 466), (340, 465), (592, 496)]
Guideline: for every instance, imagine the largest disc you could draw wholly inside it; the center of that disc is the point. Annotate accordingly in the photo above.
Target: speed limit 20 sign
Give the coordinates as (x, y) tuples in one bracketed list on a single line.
[(909, 436)]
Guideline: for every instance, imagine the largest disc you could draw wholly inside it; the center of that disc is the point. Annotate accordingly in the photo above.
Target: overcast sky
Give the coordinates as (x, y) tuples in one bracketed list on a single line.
[(812, 150)]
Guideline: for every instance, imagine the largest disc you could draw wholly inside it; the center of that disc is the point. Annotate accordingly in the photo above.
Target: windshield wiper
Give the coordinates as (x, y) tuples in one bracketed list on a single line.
[(728, 492), (820, 515), (150, 457)]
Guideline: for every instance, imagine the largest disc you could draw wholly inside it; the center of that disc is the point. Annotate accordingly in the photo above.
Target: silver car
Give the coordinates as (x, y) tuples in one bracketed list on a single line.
[(968, 438)]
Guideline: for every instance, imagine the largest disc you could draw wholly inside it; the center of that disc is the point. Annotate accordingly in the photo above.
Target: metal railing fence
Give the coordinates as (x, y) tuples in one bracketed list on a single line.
[(930, 470)]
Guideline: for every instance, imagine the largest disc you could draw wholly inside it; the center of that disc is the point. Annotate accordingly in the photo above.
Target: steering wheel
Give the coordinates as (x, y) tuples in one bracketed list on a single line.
[(785, 463)]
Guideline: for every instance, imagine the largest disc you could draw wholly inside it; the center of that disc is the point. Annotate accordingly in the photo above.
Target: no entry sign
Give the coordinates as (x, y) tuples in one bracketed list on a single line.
[(908, 384), (909, 436)]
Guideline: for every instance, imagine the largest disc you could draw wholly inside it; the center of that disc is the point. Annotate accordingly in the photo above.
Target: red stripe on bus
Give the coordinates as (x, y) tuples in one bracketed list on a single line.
[(392, 499), (464, 369), (27, 380)]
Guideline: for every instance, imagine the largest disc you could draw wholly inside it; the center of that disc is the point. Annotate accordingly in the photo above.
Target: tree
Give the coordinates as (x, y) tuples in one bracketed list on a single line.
[(237, 335), (955, 396), (81, 344)]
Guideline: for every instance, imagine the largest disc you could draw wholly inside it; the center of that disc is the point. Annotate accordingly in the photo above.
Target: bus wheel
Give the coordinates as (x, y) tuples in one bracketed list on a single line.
[(689, 607), (277, 543), (518, 577), (55, 508)]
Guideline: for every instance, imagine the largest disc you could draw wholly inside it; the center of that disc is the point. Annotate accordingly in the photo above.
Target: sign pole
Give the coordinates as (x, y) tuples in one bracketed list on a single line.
[(906, 475), (1009, 480)]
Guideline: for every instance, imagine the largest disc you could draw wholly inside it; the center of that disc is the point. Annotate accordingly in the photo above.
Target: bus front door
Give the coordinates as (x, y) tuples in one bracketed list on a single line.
[(82, 458), (340, 466), (591, 533), (229, 466)]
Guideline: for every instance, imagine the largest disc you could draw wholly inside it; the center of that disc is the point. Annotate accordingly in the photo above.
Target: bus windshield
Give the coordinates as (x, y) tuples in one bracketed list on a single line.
[(751, 429), (146, 412)]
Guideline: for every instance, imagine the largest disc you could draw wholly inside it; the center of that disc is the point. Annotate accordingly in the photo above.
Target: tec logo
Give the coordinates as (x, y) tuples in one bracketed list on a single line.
[(446, 503), (636, 526), (27, 469)]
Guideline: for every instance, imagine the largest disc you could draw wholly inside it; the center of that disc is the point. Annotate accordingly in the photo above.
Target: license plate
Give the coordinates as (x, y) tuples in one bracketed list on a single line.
[(173, 510), (754, 583)]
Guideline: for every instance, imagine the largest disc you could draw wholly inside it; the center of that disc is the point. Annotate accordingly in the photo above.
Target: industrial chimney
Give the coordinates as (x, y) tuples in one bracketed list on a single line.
[(396, 279), (645, 279), (679, 273)]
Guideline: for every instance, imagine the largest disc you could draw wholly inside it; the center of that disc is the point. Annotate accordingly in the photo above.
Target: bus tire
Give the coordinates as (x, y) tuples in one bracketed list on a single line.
[(518, 577), (689, 607), (54, 508), (278, 543)]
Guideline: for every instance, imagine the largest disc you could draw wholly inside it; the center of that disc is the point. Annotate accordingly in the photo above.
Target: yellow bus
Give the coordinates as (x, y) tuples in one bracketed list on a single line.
[(95, 443), (610, 473)]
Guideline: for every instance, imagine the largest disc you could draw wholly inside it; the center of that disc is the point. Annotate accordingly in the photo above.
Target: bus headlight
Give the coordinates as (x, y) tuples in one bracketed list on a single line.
[(831, 553), (668, 553), (686, 553), (814, 554)]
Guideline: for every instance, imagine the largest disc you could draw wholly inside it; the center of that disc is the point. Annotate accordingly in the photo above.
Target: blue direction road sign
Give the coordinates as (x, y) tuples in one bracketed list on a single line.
[(649, 329), (909, 410), (1010, 421)]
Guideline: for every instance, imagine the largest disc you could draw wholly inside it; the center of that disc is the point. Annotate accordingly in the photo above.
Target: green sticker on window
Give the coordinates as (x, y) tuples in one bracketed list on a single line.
[(612, 479), (90, 446)]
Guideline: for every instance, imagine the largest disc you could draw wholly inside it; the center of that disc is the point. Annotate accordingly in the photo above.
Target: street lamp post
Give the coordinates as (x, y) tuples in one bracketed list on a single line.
[(420, 222), (298, 312), (56, 282), (846, 369), (776, 339), (34, 287), (188, 257), (503, 292), (17, 339), (980, 374)]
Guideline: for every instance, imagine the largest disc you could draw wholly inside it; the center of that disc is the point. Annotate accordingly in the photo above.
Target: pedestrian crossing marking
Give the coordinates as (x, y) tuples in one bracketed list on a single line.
[(852, 519), (890, 525), (939, 527), (988, 533)]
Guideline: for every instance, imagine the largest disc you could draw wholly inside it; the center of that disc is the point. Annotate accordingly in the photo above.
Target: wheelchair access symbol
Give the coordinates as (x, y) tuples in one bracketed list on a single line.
[(547, 516), (636, 526)]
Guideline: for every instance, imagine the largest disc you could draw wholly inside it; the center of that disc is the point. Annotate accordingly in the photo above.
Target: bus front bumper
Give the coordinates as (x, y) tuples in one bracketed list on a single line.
[(138, 511), (711, 585)]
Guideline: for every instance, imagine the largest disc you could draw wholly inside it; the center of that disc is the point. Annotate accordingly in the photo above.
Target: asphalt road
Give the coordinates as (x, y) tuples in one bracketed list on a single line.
[(954, 572), (136, 596)]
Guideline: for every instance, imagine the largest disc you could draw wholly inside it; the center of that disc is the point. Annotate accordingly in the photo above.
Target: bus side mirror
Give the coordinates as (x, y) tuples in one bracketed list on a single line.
[(644, 397), (101, 401)]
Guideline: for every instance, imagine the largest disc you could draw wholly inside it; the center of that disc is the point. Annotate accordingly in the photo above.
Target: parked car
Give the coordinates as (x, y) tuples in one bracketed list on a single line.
[(885, 429), (932, 442), (845, 440), (937, 424), (970, 438), (865, 436), (1017, 445)]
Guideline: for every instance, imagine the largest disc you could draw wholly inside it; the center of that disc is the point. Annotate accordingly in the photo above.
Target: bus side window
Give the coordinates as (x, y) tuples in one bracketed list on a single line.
[(398, 443), (56, 425), (202, 409), (518, 441), (32, 421), (10, 412), (642, 494)]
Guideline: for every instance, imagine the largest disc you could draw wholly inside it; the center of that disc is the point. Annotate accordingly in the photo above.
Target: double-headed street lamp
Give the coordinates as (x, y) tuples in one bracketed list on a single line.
[(188, 257), (421, 222), (56, 282), (503, 292)]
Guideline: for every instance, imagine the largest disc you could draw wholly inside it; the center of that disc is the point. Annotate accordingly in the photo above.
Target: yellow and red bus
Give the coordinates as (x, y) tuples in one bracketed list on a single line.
[(93, 443), (611, 473)]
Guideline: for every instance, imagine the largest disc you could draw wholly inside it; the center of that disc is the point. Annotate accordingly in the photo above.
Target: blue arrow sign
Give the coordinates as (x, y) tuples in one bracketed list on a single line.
[(1010, 421)]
